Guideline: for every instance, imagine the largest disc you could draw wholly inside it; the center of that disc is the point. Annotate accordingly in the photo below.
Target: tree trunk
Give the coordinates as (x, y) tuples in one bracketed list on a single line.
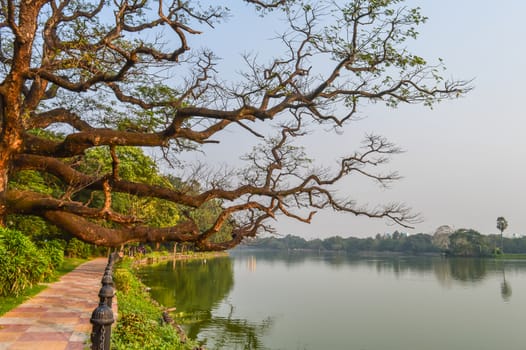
[(4, 165), (3, 188)]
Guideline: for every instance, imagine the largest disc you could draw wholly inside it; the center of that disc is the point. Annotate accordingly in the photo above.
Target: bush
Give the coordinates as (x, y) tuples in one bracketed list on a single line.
[(54, 250), (123, 280), (78, 249), (22, 265)]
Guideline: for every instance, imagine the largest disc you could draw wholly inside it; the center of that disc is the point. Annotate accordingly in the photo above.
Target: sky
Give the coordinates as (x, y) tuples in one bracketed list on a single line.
[(465, 160)]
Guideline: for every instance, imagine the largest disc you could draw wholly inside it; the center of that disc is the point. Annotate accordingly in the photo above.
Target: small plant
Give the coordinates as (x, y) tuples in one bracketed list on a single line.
[(22, 265)]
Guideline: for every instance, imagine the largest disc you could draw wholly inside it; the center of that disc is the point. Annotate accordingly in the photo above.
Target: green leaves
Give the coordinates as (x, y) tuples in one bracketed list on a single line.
[(134, 166), (22, 265), (502, 224)]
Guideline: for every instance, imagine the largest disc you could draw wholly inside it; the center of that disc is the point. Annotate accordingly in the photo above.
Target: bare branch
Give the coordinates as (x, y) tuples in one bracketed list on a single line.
[(123, 74)]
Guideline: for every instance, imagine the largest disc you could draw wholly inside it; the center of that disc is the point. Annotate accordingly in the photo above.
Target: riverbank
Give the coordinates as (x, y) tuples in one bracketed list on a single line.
[(157, 257), (140, 324), (510, 256)]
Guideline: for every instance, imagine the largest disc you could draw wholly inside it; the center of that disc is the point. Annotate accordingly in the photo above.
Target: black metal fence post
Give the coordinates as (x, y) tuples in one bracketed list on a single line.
[(102, 317)]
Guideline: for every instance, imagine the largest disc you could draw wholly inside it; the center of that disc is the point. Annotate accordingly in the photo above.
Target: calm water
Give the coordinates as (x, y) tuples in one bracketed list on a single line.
[(265, 300)]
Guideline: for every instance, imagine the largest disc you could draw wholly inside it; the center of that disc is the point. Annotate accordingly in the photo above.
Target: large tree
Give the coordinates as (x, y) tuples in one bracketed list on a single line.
[(108, 74)]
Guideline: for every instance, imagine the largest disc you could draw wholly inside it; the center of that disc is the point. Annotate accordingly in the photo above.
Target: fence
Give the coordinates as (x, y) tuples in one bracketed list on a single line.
[(102, 317)]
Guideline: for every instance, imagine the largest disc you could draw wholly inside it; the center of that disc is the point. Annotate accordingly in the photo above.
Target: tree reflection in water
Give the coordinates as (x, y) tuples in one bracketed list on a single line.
[(225, 332), (447, 271), (199, 289), (196, 288), (505, 287)]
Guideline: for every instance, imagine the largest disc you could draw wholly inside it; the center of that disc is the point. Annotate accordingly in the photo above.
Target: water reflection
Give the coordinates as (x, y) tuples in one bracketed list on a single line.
[(447, 271), (200, 290), (467, 269), (505, 290), (505, 286), (196, 288), (198, 285), (251, 263), (228, 332)]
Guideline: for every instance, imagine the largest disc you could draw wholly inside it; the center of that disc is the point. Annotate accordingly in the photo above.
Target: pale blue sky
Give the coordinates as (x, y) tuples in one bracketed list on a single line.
[(465, 160)]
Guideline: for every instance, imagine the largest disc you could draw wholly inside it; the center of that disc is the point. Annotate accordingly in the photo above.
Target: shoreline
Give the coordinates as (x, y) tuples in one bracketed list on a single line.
[(158, 258)]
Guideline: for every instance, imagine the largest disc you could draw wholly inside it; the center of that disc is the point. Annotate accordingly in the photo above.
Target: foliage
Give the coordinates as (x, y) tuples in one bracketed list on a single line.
[(502, 224), (139, 325), (9, 302), (34, 227), (420, 242), (22, 265), (468, 243), (459, 243), (77, 249), (123, 280), (116, 84), (134, 166), (464, 243), (54, 250)]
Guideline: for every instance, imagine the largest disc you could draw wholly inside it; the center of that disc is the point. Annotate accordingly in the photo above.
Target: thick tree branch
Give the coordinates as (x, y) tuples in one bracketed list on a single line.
[(123, 73)]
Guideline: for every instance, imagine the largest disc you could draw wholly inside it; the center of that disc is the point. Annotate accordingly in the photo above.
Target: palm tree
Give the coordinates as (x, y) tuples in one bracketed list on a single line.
[(502, 224)]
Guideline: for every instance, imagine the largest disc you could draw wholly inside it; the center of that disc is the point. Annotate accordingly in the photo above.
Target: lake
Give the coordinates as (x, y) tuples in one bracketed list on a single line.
[(280, 300)]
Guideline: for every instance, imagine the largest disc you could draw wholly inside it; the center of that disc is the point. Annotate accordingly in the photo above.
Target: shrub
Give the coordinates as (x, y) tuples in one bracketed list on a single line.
[(54, 250), (22, 265), (78, 249), (123, 280)]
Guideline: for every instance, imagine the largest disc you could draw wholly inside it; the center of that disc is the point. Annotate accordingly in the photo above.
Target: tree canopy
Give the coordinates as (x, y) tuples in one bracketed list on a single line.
[(502, 224), (110, 75)]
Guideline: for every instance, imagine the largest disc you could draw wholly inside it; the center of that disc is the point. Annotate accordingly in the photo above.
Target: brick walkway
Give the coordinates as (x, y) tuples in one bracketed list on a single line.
[(58, 317)]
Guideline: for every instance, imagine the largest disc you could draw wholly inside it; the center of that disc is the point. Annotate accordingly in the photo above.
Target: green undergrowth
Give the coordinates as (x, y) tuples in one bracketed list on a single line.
[(8, 303), (160, 256), (506, 256), (139, 324)]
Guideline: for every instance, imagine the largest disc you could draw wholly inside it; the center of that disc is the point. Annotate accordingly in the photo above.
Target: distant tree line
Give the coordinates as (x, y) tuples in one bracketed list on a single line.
[(462, 242)]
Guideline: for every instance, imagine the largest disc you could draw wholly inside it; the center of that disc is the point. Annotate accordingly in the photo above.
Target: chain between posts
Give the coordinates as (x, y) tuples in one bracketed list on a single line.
[(102, 317)]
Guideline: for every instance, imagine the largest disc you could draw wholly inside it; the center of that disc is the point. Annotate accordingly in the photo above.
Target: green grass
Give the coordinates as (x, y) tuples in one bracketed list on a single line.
[(509, 256), (10, 302), (139, 325), (68, 265)]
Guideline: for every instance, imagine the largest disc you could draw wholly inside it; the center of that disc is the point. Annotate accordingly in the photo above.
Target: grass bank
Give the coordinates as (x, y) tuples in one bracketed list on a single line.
[(10, 302), (510, 256), (157, 257), (140, 324)]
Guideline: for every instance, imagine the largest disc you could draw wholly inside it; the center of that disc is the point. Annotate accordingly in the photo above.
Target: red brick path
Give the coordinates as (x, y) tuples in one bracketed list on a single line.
[(58, 317)]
